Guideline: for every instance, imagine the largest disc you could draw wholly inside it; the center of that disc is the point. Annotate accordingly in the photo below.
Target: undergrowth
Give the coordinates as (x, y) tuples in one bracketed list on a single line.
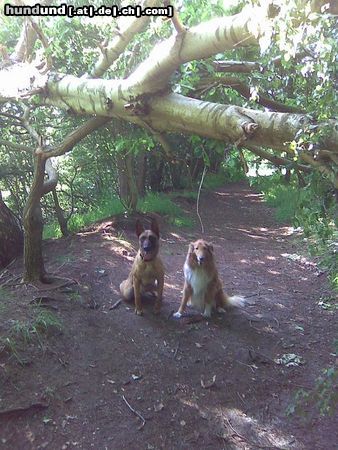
[(323, 396), (107, 207), (162, 204), (21, 333), (229, 172), (312, 209)]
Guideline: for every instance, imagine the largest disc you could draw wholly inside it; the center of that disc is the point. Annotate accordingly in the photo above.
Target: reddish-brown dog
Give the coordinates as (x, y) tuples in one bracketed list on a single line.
[(147, 272), (202, 286)]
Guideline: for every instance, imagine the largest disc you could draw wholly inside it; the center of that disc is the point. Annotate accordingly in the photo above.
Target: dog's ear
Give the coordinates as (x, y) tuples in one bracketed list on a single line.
[(154, 227), (210, 247), (191, 247), (139, 228)]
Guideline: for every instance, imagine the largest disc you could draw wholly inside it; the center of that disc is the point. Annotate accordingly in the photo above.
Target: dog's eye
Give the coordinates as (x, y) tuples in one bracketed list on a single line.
[(196, 248), (152, 239)]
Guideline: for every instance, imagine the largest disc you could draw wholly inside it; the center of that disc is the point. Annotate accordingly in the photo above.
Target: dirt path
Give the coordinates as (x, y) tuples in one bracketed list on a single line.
[(106, 357)]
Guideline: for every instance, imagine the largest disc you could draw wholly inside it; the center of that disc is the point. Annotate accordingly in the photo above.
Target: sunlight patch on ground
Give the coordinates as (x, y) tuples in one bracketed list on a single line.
[(237, 425), (244, 261), (271, 258), (280, 306), (176, 236), (112, 264), (233, 425), (173, 286), (127, 252), (274, 272), (255, 236), (299, 258)]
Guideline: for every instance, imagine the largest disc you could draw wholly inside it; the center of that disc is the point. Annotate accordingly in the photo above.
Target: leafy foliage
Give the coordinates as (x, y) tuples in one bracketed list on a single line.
[(323, 396)]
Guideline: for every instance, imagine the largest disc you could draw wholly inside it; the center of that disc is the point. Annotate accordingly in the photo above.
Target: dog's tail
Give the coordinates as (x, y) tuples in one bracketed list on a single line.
[(235, 301)]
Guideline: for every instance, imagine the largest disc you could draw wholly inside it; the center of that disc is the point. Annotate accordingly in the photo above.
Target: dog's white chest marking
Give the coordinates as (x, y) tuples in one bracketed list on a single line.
[(198, 280)]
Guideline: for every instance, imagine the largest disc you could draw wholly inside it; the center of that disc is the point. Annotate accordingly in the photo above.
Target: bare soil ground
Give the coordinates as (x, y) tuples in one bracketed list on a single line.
[(196, 384)]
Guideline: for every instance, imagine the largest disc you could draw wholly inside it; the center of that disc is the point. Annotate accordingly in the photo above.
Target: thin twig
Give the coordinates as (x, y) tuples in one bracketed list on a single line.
[(252, 295), (135, 412), (246, 365), (240, 397), (176, 350), (198, 198), (115, 305), (11, 281)]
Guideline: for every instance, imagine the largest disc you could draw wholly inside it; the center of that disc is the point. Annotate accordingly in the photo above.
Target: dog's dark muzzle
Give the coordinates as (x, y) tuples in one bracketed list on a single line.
[(148, 249), (200, 260)]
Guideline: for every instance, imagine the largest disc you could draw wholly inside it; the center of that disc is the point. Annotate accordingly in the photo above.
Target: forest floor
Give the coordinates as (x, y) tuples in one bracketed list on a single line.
[(198, 384)]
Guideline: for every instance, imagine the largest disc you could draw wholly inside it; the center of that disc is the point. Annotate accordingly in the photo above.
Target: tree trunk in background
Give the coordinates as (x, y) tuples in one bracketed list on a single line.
[(33, 226), (127, 183), (123, 180), (140, 171), (131, 178), (11, 235), (155, 170), (198, 169), (63, 223)]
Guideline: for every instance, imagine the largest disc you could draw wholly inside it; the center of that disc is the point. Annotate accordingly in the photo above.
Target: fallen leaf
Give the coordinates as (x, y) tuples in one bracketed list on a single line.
[(46, 421), (204, 415), (290, 360), (198, 345), (136, 377), (158, 407), (208, 384)]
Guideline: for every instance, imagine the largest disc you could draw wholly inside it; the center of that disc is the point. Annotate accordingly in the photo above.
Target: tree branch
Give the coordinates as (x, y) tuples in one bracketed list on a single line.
[(198, 42), (246, 91), (53, 176), (44, 42), (279, 160), (128, 28), (24, 47), (15, 146), (177, 113), (236, 66), (176, 21), (77, 135)]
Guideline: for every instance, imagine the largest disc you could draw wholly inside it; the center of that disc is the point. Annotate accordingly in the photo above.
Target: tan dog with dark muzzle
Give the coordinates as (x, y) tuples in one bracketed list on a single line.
[(202, 286), (147, 272)]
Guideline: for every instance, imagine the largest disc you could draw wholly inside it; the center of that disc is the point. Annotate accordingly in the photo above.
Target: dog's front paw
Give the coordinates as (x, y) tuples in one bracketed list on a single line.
[(177, 315), (138, 312)]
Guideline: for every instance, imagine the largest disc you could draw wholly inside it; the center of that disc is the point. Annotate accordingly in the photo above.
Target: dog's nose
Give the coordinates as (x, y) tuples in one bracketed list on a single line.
[(147, 248), (200, 259)]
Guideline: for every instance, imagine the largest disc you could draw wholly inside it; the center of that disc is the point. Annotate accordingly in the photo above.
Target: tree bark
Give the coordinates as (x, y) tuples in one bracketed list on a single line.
[(33, 225), (11, 235), (140, 171), (63, 223)]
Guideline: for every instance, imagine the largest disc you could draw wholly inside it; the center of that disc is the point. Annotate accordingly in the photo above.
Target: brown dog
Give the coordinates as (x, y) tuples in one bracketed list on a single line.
[(202, 285), (147, 272)]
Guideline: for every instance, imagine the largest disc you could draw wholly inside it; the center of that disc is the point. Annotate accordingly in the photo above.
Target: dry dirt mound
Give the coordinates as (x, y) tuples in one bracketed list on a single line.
[(112, 380)]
